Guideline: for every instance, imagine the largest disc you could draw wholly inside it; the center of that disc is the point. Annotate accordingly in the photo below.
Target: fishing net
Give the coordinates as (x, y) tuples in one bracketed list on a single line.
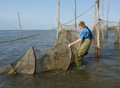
[(25, 64), (57, 58), (106, 26), (66, 27)]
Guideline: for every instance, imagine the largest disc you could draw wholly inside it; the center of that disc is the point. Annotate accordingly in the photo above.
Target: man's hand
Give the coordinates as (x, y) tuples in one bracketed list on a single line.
[(69, 45), (78, 40)]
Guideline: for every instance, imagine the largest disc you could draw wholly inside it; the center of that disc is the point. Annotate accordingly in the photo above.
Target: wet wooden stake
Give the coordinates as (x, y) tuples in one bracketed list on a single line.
[(75, 16), (20, 25), (107, 21), (98, 29), (102, 25), (117, 33), (58, 17), (94, 27), (95, 17)]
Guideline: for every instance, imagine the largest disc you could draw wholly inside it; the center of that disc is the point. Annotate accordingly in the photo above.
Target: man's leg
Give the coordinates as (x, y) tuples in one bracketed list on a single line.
[(78, 60)]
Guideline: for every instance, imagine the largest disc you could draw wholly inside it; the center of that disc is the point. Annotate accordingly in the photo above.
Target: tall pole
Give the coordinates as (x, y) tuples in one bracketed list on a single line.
[(107, 20), (20, 25), (98, 29), (58, 17), (119, 28), (95, 16), (75, 16), (102, 25), (117, 32)]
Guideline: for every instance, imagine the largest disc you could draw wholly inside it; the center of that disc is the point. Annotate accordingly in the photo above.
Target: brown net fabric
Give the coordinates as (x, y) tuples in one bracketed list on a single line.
[(24, 65), (57, 58)]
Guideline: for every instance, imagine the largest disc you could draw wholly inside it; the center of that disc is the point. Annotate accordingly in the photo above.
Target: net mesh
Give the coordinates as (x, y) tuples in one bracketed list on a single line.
[(57, 58), (63, 27)]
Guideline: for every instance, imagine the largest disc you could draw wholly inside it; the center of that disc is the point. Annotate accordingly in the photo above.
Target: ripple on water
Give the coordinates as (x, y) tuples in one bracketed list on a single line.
[(102, 72)]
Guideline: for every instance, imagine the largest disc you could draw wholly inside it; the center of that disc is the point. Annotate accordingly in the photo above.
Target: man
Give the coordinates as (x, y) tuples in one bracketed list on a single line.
[(85, 37)]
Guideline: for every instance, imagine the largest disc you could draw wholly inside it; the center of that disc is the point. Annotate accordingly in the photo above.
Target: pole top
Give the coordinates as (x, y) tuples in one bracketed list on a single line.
[(96, 1)]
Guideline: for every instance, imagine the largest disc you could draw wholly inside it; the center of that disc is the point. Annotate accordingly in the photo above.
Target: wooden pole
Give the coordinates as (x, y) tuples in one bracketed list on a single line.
[(95, 16), (102, 25), (119, 28), (58, 17), (98, 29), (20, 25), (117, 32), (75, 16), (94, 27), (107, 21)]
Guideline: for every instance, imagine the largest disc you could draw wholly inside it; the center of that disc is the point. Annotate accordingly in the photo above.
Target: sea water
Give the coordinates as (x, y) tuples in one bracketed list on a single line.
[(98, 72)]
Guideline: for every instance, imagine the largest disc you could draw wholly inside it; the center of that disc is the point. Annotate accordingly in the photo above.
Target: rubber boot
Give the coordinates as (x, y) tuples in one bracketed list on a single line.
[(76, 61), (80, 60)]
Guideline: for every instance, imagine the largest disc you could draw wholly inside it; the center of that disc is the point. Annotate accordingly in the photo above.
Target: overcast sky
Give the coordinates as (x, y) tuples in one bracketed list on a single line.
[(35, 14)]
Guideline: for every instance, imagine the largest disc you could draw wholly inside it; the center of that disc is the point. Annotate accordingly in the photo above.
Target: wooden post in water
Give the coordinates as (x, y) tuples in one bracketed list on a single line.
[(117, 33), (98, 29), (75, 16), (107, 21), (102, 25), (95, 17), (58, 17), (20, 25), (94, 27), (119, 27)]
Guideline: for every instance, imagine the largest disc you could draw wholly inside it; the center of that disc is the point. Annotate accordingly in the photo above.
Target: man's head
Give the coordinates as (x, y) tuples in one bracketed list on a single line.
[(81, 24)]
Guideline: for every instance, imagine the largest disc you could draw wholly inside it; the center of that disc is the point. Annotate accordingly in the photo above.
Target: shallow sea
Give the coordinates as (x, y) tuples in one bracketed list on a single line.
[(99, 72)]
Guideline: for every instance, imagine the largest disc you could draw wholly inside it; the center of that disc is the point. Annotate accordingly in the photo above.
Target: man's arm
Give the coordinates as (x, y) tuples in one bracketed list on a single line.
[(78, 40)]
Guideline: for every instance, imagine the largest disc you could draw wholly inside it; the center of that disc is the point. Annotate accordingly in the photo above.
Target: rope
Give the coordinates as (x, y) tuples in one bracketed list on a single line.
[(47, 30), (80, 15), (108, 21), (27, 36)]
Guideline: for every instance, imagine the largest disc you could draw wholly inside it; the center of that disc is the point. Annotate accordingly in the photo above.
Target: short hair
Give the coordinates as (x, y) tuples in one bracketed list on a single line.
[(81, 23)]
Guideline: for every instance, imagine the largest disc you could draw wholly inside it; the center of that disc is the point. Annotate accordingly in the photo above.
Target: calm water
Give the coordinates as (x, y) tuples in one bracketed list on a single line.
[(102, 72)]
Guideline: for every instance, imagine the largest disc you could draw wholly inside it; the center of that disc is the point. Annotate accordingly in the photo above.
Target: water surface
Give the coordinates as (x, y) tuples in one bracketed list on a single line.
[(102, 72)]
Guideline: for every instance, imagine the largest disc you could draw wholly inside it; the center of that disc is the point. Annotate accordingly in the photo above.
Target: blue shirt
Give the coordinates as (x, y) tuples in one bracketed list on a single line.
[(84, 33)]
